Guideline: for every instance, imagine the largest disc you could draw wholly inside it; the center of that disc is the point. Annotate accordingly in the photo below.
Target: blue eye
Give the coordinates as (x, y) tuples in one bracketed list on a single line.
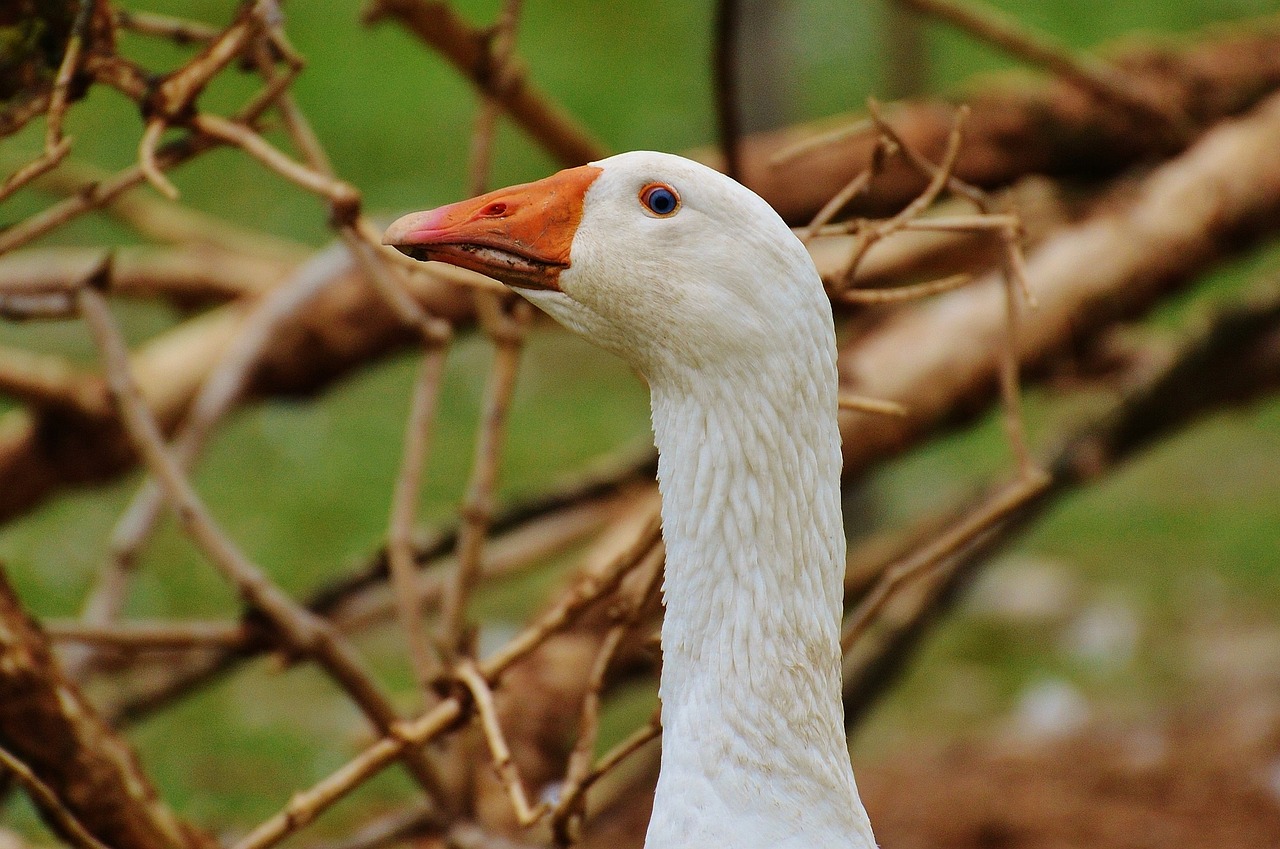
[(661, 200)]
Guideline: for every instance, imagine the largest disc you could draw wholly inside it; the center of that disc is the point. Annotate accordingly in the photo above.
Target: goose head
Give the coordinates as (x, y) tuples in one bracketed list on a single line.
[(657, 258)]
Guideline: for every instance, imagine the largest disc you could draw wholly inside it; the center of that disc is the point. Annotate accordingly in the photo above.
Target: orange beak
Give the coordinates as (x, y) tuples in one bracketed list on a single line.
[(520, 235)]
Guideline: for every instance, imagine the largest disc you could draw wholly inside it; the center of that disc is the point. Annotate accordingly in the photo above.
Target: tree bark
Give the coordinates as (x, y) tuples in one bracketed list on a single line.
[(47, 724), (1019, 129), (941, 359)]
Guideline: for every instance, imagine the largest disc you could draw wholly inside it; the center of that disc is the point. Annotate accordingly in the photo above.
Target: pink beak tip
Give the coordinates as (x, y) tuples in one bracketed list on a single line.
[(409, 229)]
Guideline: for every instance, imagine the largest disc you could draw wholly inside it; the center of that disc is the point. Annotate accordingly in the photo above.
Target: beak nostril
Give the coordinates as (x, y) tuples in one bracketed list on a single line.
[(494, 210)]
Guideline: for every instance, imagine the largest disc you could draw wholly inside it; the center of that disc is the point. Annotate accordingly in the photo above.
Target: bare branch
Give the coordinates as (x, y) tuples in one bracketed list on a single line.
[(163, 221), (372, 256), (910, 292), (304, 631), (48, 802), (51, 159), (48, 380), (1241, 345), (94, 196), (872, 405), (223, 387), (568, 811), (306, 805), (1118, 263), (147, 159), (1018, 128), (868, 236), (500, 44), (151, 635), (404, 508), (883, 149), (179, 89), (995, 509), (340, 194), (526, 814), (178, 30), (53, 138), (445, 31), (531, 531), (508, 333)]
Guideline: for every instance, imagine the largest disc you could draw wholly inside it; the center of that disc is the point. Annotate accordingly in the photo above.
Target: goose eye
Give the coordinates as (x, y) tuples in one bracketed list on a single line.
[(661, 200)]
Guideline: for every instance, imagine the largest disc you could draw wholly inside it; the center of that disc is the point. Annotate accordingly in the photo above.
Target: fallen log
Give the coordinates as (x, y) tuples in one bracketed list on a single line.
[(1014, 130)]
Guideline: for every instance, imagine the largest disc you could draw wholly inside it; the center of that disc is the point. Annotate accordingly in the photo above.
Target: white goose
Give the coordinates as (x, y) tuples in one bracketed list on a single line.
[(698, 283)]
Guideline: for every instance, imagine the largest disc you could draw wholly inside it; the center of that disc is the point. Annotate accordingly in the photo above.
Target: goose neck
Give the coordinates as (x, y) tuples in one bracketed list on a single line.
[(754, 752)]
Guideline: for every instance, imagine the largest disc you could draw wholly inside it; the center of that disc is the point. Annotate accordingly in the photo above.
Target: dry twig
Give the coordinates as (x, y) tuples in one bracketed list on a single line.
[(1003, 502), (306, 805), (1242, 345), (221, 389), (46, 800), (1013, 267), (178, 30), (507, 330), (150, 635), (509, 774), (567, 814), (304, 632), (404, 503), (940, 178), (256, 40)]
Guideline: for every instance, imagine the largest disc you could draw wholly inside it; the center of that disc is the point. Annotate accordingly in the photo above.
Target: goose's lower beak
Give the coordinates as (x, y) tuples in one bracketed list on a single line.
[(521, 235)]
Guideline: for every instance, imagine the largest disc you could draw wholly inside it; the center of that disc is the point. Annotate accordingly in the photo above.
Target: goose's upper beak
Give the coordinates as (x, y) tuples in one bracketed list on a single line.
[(520, 235)]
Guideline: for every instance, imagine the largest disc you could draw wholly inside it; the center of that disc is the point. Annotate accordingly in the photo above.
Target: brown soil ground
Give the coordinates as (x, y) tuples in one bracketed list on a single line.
[(1211, 781), (1202, 780)]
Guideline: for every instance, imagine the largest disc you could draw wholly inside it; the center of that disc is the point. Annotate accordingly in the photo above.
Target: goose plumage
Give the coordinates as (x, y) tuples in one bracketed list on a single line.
[(696, 281)]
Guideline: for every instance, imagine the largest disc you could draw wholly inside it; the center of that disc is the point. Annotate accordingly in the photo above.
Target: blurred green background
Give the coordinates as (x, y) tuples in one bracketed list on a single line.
[(1125, 596)]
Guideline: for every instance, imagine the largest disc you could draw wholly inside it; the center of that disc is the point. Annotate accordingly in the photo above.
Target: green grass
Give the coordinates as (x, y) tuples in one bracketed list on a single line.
[(304, 484)]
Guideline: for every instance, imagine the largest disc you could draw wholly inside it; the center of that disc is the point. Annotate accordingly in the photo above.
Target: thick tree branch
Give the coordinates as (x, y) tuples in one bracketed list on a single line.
[(942, 357), (48, 725), (1017, 129)]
